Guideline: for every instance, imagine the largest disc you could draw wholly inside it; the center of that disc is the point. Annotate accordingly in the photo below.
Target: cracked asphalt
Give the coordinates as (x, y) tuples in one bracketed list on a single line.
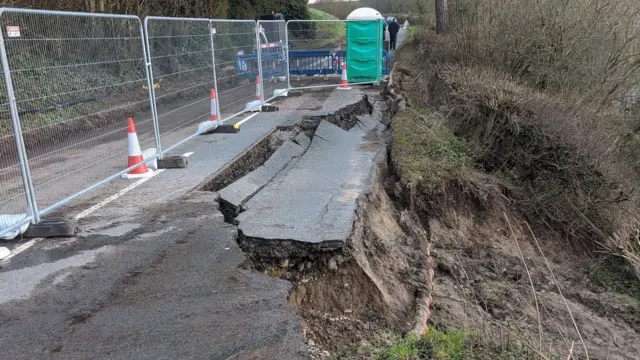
[(174, 290)]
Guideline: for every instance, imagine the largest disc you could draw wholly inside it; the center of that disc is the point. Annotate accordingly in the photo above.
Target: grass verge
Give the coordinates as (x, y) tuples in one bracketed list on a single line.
[(568, 166), (425, 150), (439, 345), (614, 275), (335, 29), (323, 34)]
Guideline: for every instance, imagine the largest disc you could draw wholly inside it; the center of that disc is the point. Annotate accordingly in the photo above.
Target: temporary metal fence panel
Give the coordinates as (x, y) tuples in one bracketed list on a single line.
[(14, 199), (72, 79), (181, 57), (273, 57), (317, 50), (76, 78), (236, 65)]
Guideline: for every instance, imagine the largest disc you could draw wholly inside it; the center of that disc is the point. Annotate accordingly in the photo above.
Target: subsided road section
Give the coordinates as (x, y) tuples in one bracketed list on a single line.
[(155, 274)]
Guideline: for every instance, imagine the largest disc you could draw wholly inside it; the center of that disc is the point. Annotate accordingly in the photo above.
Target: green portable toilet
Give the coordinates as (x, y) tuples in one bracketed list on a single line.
[(364, 45)]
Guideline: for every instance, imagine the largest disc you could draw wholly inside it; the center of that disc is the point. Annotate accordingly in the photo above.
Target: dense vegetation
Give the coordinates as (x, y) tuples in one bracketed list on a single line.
[(237, 9)]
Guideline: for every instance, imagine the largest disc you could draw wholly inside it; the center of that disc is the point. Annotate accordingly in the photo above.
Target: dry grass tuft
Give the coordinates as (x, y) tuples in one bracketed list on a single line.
[(582, 49), (567, 164)]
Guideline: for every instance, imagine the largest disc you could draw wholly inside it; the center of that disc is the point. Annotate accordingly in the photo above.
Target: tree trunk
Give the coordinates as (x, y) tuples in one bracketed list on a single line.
[(441, 16)]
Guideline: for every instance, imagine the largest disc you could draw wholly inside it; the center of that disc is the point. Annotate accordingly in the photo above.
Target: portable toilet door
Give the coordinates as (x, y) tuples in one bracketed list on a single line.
[(364, 46)]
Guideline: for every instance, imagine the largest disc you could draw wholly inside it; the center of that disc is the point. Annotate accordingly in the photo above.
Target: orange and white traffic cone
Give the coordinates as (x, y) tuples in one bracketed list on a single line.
[(206, 127), (344, 83), (255, 105), (135, 155), (214, 105), (258, 97)]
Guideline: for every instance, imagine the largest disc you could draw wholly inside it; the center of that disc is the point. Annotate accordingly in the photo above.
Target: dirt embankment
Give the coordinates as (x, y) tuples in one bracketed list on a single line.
[(519, 195), (487, 221)]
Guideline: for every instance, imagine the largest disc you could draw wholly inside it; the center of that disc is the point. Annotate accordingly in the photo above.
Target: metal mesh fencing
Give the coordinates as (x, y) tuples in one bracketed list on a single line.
[(76, 79), (236, 61), (180, 52), (318, 50), (313, 52), (14, 204), (273, 46)]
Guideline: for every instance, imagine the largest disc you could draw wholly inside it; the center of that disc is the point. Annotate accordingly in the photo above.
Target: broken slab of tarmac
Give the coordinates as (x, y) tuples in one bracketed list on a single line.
[(304, 197), (235, 195)]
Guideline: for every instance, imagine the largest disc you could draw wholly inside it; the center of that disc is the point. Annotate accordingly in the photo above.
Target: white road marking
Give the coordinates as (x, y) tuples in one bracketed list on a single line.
[(89, 211), (104, 202), (246, 119)]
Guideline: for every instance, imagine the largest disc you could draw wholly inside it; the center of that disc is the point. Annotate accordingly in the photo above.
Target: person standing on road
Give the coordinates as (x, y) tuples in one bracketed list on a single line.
[(394, 29), (385, 37)]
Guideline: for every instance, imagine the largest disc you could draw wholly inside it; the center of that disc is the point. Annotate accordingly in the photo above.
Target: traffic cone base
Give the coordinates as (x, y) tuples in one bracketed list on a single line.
[(148, 174), (253, 106), (135, 155)]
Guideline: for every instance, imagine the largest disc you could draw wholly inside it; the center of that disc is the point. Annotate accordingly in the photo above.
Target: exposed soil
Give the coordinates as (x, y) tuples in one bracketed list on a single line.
[(252, 158), (497, 277), (346, 117), (374, 283)]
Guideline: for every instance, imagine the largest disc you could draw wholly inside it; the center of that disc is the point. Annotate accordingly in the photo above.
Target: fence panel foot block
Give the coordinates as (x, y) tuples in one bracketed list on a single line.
[(173, 162), (54, 227)]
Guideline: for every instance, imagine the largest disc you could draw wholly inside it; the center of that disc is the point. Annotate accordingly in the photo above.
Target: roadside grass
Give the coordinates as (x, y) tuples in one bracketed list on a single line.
[(425, 150), (437, 344), (335, 29), (540, 143), (412, 31), (323, 34)]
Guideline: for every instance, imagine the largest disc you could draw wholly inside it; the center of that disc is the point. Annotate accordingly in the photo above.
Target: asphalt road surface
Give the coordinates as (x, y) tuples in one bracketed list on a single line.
[(154, 275), (169, 289)]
